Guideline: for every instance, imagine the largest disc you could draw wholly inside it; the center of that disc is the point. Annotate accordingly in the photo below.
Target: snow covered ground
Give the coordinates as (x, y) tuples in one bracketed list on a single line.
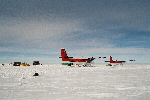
[(60, 82)]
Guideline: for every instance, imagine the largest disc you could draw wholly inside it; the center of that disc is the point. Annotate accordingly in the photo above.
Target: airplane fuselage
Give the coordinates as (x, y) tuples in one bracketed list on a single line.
[(66, 58), (77, 60), (111, 61)]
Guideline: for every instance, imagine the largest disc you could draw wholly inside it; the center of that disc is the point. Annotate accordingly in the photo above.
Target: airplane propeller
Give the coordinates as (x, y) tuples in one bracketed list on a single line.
[(102, 57)]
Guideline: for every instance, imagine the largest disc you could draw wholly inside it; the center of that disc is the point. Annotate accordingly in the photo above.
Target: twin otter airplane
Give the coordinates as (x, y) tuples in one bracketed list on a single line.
[(111, 61), (84, 62)]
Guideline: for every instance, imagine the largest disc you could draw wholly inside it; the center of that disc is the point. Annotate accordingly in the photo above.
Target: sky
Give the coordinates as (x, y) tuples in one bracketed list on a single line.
[(37, 30)]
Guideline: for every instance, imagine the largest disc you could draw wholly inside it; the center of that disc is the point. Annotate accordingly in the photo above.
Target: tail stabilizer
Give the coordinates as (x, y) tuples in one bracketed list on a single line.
[(64, 55), (111, 60)]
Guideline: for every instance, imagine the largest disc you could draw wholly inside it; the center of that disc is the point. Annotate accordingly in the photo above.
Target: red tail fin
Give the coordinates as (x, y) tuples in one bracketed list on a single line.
[(111, 60), (64, 55)]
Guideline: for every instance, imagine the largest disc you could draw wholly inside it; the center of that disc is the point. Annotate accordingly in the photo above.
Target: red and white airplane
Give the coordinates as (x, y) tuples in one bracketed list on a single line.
[(84, 62), (111, 61)]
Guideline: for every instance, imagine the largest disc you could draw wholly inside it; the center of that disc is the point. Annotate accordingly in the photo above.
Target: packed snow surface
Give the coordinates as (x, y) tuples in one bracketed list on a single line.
[(60, 82)]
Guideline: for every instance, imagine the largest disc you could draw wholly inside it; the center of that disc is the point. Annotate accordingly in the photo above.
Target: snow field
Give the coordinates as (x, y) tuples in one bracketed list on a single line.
[(60, 82)]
